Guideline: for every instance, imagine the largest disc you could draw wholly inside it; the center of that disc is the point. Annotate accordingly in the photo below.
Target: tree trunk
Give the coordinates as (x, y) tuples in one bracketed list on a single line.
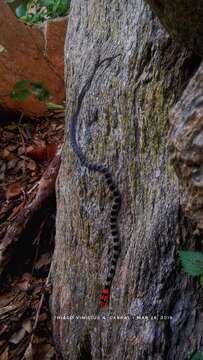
[(154, 311), (183, 19)]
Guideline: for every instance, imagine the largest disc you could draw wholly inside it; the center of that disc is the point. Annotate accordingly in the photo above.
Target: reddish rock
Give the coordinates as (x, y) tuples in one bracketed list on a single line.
[(31, 52)]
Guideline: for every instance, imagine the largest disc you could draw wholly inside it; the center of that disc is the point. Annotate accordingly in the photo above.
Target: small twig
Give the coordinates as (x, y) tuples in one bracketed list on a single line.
[(41, 303), (22, 139), (33, 188)]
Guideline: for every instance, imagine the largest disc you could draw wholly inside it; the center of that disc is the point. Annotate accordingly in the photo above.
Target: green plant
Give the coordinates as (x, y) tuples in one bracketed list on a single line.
[(36, 11), (53, 106), (192, 262), (197, 356), (25, 88)]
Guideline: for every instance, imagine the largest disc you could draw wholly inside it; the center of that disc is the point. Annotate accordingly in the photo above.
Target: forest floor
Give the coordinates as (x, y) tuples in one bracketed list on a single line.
[(27, 148)]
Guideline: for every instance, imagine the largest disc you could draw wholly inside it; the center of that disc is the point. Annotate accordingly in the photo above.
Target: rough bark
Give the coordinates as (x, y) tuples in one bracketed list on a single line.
[(186, 146), (30, 53), (123, 123), (183, 19)]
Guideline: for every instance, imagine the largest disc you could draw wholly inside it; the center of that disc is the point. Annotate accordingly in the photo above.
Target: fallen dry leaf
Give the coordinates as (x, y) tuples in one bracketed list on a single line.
[(13, 190), (43, 317), (51, 151), (31, 165), (4, 355), (43, 261), (12, 147), (16, 210), (42, 153), (24, 282), (12, 126), (2, 342), (6, 155), (27, 325), (21, 150), (20, 165), (12, 164), (37, 153), (42, 350), (29, 352), (17, 336), (5, 299), (8, 135)]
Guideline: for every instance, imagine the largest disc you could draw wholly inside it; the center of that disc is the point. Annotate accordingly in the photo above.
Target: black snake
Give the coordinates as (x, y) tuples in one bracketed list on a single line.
[(104, 299)]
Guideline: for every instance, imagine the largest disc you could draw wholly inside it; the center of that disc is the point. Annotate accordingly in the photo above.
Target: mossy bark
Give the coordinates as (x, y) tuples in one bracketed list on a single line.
[(186, 146), (123, 123), (183, 20)]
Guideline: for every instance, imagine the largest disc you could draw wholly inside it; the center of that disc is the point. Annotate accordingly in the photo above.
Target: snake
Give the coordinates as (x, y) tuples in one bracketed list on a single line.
[(106, 173)]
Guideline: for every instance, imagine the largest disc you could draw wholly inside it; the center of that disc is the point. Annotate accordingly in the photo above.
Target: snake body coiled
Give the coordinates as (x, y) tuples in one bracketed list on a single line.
[(103, 170)]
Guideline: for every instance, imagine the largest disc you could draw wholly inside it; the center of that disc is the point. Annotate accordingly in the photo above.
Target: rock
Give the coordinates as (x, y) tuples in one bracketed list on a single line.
[(31, 53)]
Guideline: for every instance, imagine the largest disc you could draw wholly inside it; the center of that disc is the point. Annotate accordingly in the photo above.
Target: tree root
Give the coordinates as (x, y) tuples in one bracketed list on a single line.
[(20, 223)]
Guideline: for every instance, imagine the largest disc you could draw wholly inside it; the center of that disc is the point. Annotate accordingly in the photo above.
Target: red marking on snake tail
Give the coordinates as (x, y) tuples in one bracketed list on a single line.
[(104, 298)]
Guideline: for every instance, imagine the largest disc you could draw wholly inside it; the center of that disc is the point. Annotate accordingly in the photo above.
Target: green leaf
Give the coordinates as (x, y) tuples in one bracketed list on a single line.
[(27, 18), (21, 95), (36, 18), (201, 281), (21, 10), (46, 3), (56, 7), (10, 1), (53, 106), (44, 95), (192, 262), (23, 84), (40, 92), (197, 356)]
